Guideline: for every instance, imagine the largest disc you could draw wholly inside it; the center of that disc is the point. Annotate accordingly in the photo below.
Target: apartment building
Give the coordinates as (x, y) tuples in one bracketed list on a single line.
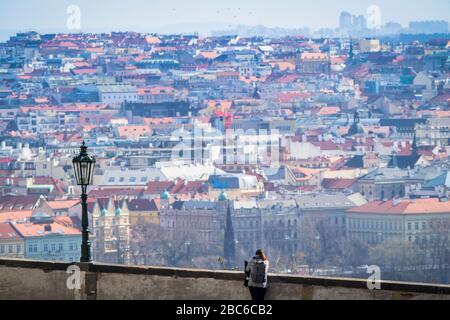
[(407, 220)]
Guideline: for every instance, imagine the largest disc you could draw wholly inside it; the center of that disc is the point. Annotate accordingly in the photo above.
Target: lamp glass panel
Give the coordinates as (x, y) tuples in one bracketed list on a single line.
[(84, 173), (76, 166), (91, 172)]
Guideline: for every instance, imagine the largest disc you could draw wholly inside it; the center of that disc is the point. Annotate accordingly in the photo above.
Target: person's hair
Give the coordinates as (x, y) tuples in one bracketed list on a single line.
[(261, 254)]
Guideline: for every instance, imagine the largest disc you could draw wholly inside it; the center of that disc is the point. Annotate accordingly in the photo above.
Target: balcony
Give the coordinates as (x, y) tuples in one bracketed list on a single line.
[(34, 280)]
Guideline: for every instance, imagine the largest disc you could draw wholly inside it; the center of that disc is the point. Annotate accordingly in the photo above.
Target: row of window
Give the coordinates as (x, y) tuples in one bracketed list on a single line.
[(110, 222), (109, 232), (374, 237), (247, 224), (34, 247), (69, 259), (370, 224), (281, 235), (388, 225), (251, 236), (383, 194), (10, 249), (131, 179), (119, 97), (417, 225), (280, 223), (192, 224)]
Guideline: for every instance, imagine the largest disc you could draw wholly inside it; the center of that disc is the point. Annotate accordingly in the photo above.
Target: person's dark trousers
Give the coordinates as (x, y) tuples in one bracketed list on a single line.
[(258, 294)]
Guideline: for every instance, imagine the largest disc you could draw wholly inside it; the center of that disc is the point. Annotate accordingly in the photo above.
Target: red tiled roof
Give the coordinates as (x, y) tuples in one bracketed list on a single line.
[(326, 145), (68, 44), (178, 187), (95, 50), (134, 131), (38, 230), (7, 232), (81, 71), (282, 65), (58, 185), (340, 184), (288, 78), (152, 40), (44, 180), (18, 203), (81, 64), (303, 173), (63, 204), (314, 56), (287, 97), (15, 215), (188, 187), (418, 206), (228, 74), (72, 222), (158, 187), (326, 111), (142, 205)]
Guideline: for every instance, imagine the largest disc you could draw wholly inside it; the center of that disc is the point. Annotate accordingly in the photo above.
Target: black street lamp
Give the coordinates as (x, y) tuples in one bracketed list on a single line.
[(83, 165)]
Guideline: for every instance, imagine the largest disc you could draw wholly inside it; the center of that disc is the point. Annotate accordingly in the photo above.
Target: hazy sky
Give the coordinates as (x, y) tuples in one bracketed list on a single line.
[(153, 15)]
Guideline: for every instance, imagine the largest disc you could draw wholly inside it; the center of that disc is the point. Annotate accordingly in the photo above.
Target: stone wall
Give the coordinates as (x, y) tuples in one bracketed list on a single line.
[(31, 280)]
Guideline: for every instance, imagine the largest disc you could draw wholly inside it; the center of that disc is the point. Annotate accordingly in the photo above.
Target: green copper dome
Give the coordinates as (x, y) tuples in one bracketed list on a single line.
[(104, 212), (165, 195), (118, 211), (223, 196)]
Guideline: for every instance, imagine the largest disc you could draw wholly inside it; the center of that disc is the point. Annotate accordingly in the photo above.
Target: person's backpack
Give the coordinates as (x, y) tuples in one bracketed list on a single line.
[(259, 272)]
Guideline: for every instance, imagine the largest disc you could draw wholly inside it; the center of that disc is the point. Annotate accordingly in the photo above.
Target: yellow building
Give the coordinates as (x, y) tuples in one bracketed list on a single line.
[(111, 231), (143, 211)]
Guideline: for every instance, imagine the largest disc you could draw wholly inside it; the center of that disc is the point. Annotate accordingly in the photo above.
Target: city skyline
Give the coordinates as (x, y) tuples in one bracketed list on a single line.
[(174, 16), (224, 151)]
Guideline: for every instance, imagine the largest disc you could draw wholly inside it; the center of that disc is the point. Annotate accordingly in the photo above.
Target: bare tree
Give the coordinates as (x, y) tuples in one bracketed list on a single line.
[(311, 244), (155, 245), (351, 253), (434, 246), (423, 259), (145, 244), (396, 260)]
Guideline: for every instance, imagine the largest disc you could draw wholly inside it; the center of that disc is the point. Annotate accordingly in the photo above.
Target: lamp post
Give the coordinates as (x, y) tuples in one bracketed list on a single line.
[(83, 165)]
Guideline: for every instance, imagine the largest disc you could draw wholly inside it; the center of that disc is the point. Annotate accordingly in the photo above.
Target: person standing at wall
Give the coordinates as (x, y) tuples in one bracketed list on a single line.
[(258, 268)]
